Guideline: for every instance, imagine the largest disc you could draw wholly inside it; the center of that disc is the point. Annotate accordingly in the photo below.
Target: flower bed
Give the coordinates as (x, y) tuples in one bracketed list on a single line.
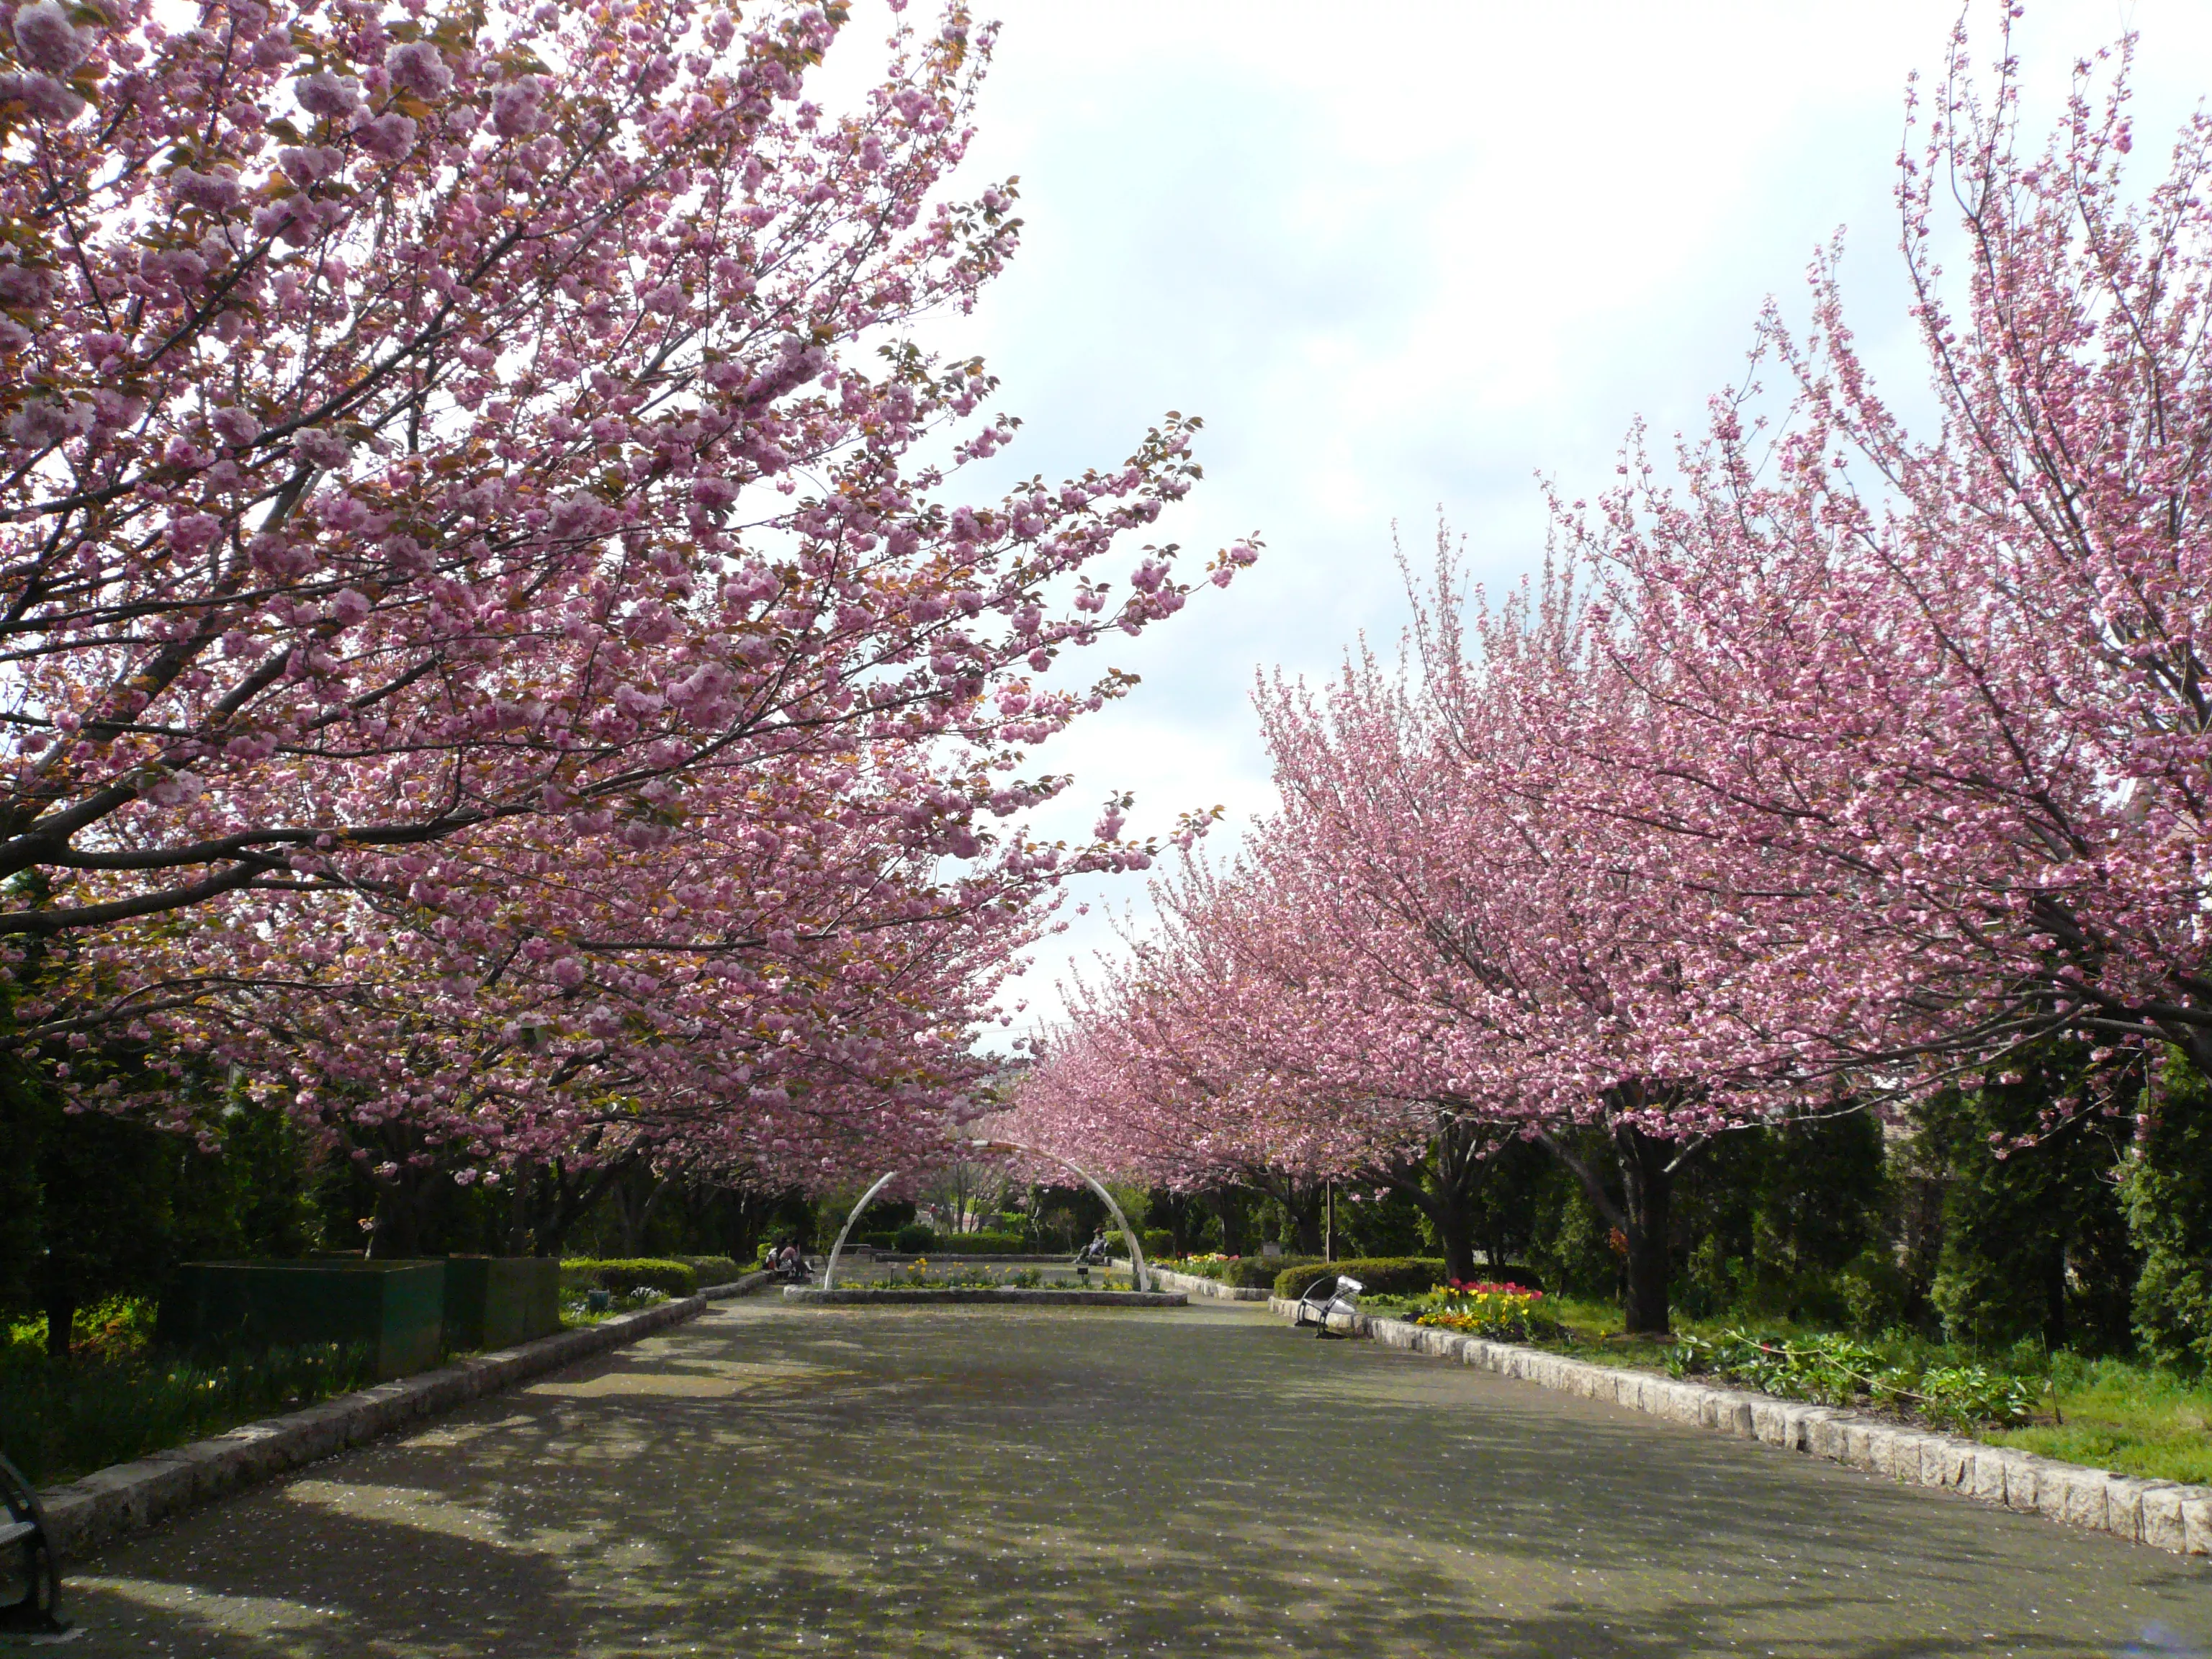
[(918, 1275), (1506, 1313)]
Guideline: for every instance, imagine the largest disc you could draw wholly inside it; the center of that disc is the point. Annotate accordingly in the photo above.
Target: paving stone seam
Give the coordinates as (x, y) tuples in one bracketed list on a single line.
[(2164, 1514), (114, 1503)]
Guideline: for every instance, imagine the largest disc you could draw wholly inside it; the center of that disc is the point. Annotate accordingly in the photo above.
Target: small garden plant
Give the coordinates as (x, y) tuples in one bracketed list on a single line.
[(1840, 1370), (118, 1398)]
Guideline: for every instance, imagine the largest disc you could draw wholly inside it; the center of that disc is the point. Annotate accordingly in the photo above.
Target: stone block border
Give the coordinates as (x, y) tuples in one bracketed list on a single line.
[(1197, 1284), (114, 1503), (969, 1293), (2161, 1513)]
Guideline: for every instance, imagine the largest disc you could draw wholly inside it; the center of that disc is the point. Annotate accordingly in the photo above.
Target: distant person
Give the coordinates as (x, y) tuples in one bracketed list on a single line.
[(1095, 1253)]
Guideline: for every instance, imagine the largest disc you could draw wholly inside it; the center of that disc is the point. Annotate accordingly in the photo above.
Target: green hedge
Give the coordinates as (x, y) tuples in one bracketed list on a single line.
[(1380, 1275), (914, 1239), (980, 1245), (711, 1269), (650, 1273), (1156, 1241), (1252, 1273)]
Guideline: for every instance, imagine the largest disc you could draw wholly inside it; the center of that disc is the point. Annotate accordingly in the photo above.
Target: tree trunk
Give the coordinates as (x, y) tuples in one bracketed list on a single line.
[(1229, 1205), (2054, 1301), (61, 1322), (633, 1213), (1457, 1238), (1647, 1180), (1442, 1184), (1639, 1215)]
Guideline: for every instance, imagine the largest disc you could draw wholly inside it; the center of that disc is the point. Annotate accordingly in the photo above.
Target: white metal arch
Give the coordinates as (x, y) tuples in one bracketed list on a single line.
[(1140, 1275)]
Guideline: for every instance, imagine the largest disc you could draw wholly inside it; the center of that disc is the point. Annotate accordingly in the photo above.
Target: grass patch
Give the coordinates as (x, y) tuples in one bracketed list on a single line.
[(117, 1398), (2130, 1419)]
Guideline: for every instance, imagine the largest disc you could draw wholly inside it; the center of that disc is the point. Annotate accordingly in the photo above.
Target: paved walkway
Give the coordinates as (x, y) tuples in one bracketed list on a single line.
[(1066, 1483)]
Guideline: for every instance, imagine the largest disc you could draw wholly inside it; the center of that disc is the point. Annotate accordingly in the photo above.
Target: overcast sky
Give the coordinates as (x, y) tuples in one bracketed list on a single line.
[(1403, 260)]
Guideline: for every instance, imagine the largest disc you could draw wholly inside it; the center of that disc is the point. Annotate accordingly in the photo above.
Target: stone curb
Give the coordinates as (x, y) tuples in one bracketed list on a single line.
[(744, 1284), (112, 1504), (993, 1293), (2160, 1513), (1193, 1285)]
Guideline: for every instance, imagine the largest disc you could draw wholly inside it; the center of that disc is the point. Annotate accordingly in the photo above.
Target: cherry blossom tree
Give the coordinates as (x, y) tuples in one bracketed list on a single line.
[(420, 421), (1953, 679), (1444, 940), (490, 648)]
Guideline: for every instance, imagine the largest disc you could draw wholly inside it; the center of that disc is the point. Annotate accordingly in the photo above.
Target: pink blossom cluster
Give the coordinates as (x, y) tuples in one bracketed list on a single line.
[(486, 655)]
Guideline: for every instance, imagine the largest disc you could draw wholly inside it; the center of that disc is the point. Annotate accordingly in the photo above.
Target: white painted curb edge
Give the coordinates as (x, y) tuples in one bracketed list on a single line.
[(123, 1499), (2164, 1514)]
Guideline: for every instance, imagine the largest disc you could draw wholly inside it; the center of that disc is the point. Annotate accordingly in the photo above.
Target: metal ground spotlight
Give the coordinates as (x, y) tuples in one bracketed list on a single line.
[(1331, 1295), (30, 1579)]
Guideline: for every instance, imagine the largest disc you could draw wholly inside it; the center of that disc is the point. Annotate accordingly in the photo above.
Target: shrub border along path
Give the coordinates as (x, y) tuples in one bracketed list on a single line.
[(123, 1499), (2164, 1514)]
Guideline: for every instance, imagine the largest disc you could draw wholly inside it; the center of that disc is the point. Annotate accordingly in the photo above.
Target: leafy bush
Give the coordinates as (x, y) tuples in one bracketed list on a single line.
[(670, 1277), (2168, 1193), (2034, 1239), (1836, 1370), (1380, 1275), (1874, 1292), (914, 1239), (1252, 1273), (1259, 1272), (711, 1269), (1156, 1241), (981, 1244)]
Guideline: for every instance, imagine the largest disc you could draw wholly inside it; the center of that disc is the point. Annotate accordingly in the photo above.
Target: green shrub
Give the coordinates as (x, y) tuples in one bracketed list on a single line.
[(1156, 1241), (664, 1274), (712, 1269), (980, 1245), (914, 1239), (1379, 1275), (1836, 1370), (1874, 1292), (2035, 1239), (1259, 1272), (2168, 1193)]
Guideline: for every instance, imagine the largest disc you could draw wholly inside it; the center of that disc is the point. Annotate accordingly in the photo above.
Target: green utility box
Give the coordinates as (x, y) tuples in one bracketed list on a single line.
[(497, 1301), (395, 1309)]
